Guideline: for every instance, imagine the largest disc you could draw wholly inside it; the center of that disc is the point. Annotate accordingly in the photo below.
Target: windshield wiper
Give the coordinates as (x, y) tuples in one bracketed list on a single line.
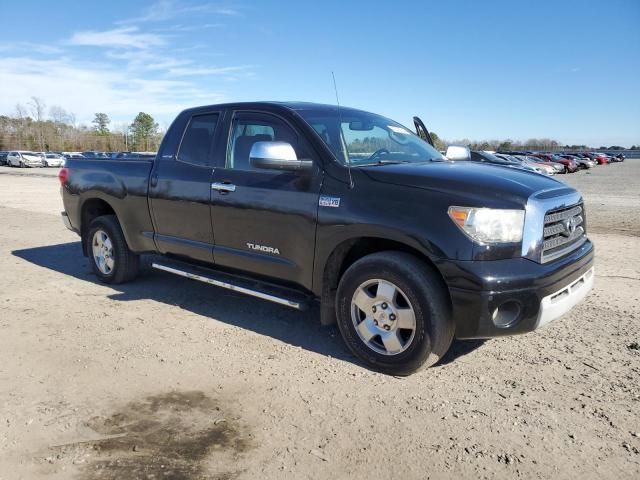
[(383, 162)]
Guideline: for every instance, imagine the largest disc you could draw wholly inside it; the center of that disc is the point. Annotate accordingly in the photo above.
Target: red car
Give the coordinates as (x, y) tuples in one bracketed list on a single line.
[(570, 166), (601, 158)]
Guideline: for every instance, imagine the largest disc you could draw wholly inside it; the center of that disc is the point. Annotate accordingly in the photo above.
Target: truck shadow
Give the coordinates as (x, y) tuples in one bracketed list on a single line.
[(301, 329)]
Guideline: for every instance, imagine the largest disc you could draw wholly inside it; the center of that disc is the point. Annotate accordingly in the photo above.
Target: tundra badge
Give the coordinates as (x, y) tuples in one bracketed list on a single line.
[(262, 248)]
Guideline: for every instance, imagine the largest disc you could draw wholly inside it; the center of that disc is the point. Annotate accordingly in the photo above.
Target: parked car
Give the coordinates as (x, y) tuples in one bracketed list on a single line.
[(68, 155), (93, 154), (133, 155), (557, 167), (53, 160), (546, 167), (3, 158), (483, 156), (601, 158), (570, 166), (583, 156), (404, 249), (582, 162), (518, 163), (21, 158)]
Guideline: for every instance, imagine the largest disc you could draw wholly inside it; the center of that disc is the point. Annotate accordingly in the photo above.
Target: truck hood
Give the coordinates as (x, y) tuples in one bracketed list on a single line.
[(474, 183)]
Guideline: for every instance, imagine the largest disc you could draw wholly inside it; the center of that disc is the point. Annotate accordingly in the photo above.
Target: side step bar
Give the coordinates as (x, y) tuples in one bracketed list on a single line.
[(224, 281)]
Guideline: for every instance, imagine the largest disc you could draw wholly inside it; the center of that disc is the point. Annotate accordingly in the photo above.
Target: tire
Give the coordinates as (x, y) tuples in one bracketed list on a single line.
[(418, 288), (119, 264), (45, 164), (22, 164)]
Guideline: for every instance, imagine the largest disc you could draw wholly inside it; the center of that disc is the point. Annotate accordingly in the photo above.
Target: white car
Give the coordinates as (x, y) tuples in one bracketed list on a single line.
[(24, 159), (53, 160)]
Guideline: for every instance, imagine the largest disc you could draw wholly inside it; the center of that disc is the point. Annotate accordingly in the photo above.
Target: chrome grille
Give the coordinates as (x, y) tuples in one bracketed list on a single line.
[(564, 231)]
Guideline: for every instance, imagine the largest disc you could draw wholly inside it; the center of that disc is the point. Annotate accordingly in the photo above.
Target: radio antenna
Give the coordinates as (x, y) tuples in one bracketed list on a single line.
[(344, 146)]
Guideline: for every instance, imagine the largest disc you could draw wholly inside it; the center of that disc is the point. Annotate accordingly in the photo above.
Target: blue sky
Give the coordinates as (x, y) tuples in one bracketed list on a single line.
[(568, 70)]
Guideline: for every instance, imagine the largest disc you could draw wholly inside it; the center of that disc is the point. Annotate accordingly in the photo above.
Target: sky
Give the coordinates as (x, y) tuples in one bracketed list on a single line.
[(482, 70)]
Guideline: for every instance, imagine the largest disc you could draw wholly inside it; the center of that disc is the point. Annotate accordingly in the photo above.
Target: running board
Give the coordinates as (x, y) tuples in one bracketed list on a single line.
[(223, 281)]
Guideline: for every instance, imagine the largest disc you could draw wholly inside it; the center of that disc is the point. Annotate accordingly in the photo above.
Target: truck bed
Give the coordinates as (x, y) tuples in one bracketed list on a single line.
[(123, 185)]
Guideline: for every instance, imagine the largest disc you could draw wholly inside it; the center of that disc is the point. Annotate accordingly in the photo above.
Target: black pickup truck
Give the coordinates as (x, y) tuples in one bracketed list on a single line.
[(297, 202)]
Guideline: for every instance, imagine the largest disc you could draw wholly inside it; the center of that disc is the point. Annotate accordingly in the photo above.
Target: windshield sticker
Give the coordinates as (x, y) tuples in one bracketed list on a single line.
[(398, 130)]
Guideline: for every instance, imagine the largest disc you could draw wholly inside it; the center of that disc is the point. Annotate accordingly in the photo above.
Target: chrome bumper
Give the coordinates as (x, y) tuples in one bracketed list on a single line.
[(558, 303)]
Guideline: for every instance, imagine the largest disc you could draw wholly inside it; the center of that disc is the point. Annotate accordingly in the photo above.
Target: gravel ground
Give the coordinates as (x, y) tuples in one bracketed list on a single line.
[(168, 378)]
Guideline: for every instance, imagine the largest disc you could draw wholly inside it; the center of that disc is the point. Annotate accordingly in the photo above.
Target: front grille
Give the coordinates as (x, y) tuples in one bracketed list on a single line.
[(564, 231)]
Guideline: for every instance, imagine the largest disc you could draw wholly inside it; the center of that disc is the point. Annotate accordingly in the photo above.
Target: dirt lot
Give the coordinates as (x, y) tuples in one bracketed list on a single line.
[(168, 378)]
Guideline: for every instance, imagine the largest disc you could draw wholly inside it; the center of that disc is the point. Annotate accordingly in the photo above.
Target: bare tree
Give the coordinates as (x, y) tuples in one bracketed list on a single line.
[(22, 116), (60, 115), (37, 107)]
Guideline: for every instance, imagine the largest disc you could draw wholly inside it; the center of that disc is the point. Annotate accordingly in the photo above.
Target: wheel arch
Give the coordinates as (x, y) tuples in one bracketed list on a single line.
[(91, 209), (347, 253)]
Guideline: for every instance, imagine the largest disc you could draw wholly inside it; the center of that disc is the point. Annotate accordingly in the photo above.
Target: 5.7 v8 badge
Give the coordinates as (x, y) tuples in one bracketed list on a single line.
[(327, 201)]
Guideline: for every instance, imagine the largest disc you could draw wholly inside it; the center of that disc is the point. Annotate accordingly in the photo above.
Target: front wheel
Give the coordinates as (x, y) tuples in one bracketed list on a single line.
[(393, 313), (111, 259)]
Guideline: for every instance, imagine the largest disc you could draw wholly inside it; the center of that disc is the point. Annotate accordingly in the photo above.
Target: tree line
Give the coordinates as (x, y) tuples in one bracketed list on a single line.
[(533, 144), (33, 127)]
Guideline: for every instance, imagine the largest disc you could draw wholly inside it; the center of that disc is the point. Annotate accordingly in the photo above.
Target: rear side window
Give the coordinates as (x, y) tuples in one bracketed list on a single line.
[(196, 147)]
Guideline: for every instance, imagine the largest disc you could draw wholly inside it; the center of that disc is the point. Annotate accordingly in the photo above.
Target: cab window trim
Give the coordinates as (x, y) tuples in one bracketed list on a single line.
[(232, 118), (211, 150)]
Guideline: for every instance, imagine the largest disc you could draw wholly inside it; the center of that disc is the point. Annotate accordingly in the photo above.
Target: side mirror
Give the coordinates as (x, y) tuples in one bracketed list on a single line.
[(277, 156), (456, 152)]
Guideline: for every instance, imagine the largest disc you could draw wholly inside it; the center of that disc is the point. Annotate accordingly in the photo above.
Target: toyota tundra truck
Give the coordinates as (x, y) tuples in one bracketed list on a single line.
[(295, 203)]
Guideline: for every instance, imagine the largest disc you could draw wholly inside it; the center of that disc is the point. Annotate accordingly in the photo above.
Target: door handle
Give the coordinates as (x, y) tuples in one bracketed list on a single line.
[(154, 180), (223, 187)]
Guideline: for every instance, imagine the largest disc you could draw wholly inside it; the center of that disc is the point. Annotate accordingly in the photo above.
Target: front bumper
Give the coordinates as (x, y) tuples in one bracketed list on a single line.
[(557, 304), (508, 297)]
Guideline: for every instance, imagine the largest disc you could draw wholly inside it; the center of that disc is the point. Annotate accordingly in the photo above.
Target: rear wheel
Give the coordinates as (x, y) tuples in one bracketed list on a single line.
[(393, 313), (111, 259)]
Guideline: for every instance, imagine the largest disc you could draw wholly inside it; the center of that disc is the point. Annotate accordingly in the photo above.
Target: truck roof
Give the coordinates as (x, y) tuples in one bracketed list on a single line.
[(319, 107)]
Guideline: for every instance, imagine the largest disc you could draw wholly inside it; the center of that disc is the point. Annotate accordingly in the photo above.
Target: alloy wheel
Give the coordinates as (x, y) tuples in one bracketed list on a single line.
[(102, 249), (383, 317)]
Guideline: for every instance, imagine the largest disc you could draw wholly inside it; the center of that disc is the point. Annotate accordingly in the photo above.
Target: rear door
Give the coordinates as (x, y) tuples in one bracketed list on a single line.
[(265, 220), (180, 189)]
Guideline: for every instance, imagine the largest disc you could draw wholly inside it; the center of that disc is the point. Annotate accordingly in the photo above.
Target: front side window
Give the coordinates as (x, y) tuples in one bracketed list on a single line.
[(250, 127), (362, 138), (196, 147)]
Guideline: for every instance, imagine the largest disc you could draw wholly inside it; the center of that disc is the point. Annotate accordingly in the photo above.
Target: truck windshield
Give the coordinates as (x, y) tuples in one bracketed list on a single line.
[(362, 138)]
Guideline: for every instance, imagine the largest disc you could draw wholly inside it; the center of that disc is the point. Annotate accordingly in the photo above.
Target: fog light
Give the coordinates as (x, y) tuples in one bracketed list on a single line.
[(507, 314)]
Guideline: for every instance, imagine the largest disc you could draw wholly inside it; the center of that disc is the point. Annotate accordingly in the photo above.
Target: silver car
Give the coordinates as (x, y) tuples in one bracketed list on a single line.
[(21, 158)]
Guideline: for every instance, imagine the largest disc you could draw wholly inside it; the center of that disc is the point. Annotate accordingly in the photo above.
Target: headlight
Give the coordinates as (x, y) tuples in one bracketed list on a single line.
[(489, 225)]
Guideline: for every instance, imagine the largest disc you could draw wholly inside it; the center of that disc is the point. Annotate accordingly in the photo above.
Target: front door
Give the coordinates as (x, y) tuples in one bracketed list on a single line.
[(180, 191), (422, 132), (265, 220)]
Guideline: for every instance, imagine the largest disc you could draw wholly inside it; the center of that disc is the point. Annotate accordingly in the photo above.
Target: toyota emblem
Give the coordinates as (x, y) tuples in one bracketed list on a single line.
[(570, 225)]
